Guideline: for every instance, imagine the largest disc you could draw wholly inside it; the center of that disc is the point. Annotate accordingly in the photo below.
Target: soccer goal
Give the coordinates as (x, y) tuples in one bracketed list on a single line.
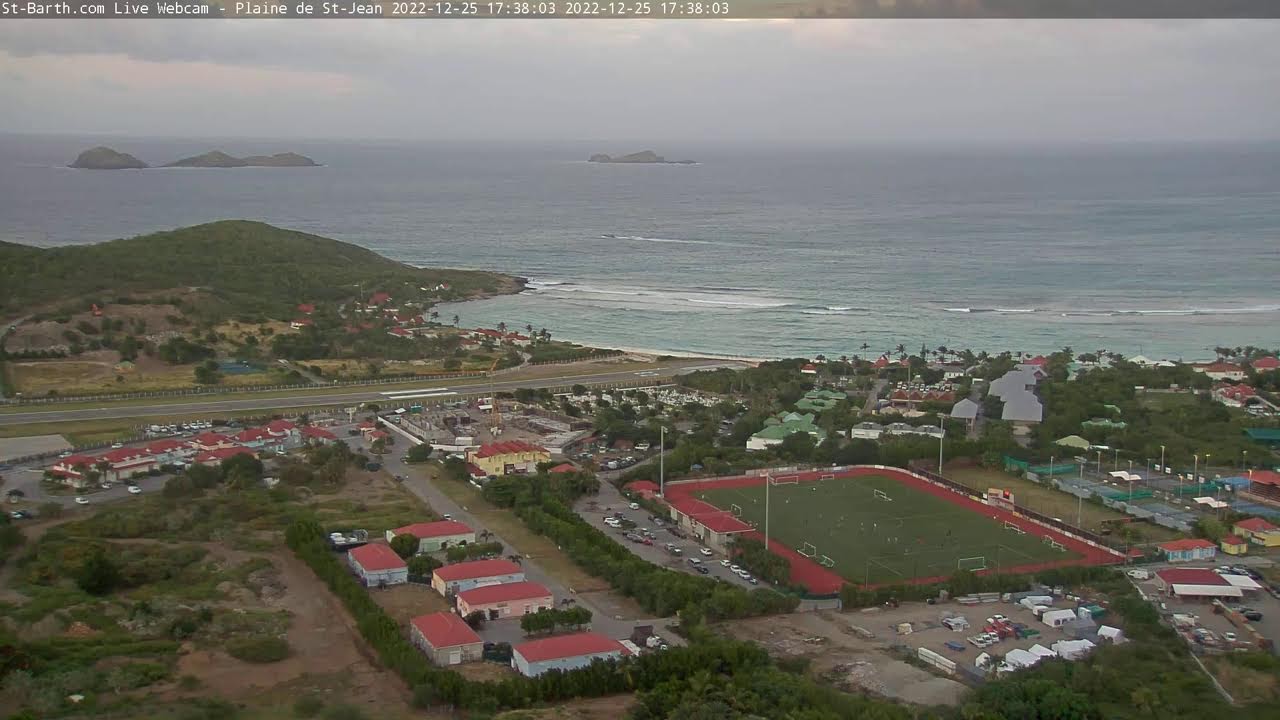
[(736, 510), (978, 562), (808, 550), (827, 562), (1057, 545), (1014, 527), (827, 477), (785, 480), (882, 495)]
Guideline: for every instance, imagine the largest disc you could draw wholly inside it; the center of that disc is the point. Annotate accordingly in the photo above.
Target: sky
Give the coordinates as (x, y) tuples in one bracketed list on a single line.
[(829, 82)]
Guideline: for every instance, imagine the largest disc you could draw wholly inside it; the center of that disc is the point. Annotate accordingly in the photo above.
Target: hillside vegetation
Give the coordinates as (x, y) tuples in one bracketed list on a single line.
[(248, 267)]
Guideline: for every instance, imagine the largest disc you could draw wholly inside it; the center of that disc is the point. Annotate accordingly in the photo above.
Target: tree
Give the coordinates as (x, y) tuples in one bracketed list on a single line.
[(475, 619), (405, 545), (98, 574), (421, 566), (207, 373), (418, 453), (242, 470)]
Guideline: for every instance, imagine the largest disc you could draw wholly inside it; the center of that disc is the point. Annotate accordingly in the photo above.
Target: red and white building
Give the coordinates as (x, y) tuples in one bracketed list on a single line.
[(1220, 370), (72, 470), (445, 638), (463, 576), (506, 600), (254, 438), (708, 523), (1196, 584), (124, 463), (209, 441), (378, 565), (433, 536), (170, 451), (318, 435), (564, 652), (1265, 364), (1188, 550), (215, 457)]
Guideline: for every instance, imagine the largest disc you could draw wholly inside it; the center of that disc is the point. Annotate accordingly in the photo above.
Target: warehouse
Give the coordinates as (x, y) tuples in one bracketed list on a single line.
[(445, 638), (506, 600), (456, 578), (1195, 584), (1188, 550), (433, 536), (378, 565), (564, 652)]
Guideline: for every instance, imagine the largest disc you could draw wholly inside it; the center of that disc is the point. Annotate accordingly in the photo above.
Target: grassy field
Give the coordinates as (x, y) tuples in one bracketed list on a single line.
[(880, 541), (77, 377), (83, 432), (1049, 501)]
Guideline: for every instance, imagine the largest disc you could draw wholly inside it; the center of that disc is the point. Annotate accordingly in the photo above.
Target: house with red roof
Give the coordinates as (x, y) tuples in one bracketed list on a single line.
[(170, 451), (401, 333), (458, 577), (73, 469), (377, 565), (433, 536), (1258, 532), (513, 338), (562, 469), (1265, 364), (379, 298), (809, 369), (126, 462), (564, 652), (284, 432), (1235, 395), (505, 600), (508, 457), (1038, 361), (644, 488), (306, 308), (209, 441), (300, 323), (1233, 545), (373, 435), (254, 438), (215, 457), (317, 435), (446, 638), (1188, 550), (1220, 370)]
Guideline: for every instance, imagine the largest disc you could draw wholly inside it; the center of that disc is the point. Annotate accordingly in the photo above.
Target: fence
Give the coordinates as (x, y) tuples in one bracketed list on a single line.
[(220, 390)]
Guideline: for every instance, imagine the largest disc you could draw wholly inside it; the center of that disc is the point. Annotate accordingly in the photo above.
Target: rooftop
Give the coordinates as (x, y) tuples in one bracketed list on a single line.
[(1190, 576), (476, 569), (1185, 544), (1264, 477), (374, 557), (1256, 525), (440, 528), (444, 629), (564, 646), (508, 447), (505, 592)]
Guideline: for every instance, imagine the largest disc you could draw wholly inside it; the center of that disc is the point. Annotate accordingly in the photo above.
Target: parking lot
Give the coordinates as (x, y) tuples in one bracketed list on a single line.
[(1196, 614), (609, 503)]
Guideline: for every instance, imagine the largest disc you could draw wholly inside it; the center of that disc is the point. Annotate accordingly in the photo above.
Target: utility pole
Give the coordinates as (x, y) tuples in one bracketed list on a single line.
[(768, 480), (1080, 500), (1162, 460), (940, 438), (662, 458)]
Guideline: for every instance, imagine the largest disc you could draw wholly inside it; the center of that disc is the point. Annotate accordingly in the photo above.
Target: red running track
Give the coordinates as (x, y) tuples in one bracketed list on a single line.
[(821, 581)]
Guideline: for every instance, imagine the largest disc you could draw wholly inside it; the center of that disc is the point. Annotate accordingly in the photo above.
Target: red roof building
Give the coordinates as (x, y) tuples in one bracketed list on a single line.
[(379, 298), (443, 630), (1255, 525), (505, 600), (1188, 550), (377, 435), (280, 428), (211, 441), (476, 569), (306, 308), (809, 369), (300, 323), (374, 557), (1190, 576), (1186, 544), (643, 488), (167, 446), (318, 434), (1265, 364), (563, 646), (441, 528), (1038, 361), (214, 457), (250, 436), (563, 468), (508, 447), (400, 333)]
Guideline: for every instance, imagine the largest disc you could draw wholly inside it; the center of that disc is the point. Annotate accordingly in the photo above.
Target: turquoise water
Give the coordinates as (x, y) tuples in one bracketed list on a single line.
[(1168, 251)]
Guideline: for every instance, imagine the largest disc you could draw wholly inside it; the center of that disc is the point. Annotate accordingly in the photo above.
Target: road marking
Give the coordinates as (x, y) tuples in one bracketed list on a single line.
[(395, 393), (421, 395)]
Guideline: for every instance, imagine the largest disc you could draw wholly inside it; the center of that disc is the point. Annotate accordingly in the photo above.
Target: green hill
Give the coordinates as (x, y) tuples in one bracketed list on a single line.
[(245, 267)]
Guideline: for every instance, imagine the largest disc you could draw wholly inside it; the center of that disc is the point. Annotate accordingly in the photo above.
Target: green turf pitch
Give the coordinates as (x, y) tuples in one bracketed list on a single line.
[(871, 540)]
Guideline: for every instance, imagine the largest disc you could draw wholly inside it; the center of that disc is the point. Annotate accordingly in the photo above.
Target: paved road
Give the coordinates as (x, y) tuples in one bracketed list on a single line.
[(470, 386), (509, 630)]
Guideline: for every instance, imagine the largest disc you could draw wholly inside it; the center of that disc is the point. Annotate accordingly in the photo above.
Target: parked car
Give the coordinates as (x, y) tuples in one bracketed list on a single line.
[(724, 563), (734, 568), (1252, 615), (82, 501), (20, 514), (702, 569), (134, 490), (635, 506)]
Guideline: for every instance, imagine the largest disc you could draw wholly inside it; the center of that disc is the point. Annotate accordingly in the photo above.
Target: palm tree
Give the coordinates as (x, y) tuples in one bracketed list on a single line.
[(434, 316), (865, 347), (529, 328), (502, 327), (456, 320)]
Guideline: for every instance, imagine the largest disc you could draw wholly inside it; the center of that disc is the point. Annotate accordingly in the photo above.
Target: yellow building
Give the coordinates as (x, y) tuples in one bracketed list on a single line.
[(1258, 532), (1233, 545), (511, 456)]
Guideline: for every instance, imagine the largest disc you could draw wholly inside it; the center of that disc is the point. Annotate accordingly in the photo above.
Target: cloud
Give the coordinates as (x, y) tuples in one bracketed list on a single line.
[(827, 81)]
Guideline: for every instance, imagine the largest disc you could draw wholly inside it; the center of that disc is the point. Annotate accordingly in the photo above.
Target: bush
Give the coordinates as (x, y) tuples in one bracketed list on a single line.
[(259, 649), (307, 706)]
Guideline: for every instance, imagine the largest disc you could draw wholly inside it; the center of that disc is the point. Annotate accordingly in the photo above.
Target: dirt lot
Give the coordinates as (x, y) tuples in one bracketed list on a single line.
[(405, 602), (49, 334), (856, 650), (604, 708)]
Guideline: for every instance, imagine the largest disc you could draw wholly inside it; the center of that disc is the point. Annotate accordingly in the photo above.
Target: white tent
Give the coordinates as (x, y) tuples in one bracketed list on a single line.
[(1072, 649), (1115, 635), (1019, 659), (1057, 618), (1042, 651), (1244, 582)]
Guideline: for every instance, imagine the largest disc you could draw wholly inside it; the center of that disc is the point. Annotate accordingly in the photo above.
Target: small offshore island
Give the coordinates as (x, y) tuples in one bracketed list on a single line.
[(644, 157), (105, 158)]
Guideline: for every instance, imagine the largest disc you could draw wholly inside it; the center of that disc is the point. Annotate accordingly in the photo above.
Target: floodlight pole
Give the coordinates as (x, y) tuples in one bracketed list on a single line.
[(942, 435), (767, 478), (1162, 460), (662, 456)]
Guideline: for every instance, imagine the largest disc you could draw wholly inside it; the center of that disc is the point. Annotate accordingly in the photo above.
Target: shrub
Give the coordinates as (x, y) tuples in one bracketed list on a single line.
[(259, 649)]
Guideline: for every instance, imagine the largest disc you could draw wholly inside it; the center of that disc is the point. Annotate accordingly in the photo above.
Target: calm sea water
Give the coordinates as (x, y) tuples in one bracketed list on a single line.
[(1168, 251)]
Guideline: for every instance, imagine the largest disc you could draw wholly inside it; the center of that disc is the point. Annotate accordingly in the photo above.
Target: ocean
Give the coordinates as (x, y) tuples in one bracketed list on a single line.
[(1165, 250)]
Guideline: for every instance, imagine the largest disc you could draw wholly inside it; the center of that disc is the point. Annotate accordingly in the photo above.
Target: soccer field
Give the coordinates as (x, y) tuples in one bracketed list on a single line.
[(847, 525)]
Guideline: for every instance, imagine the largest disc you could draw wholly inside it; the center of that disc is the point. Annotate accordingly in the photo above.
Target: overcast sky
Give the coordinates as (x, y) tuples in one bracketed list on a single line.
[(765, 81)]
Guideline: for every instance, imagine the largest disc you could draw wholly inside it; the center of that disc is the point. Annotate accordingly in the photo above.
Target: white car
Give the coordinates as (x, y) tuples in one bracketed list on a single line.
[(635, 506), (724, 563), (82, 501), (735, 568), (134, 490), (704, 552), (117, 446)]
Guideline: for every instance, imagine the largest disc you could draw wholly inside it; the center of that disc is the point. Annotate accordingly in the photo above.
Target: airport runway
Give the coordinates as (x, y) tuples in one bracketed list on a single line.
[(428, 391)]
